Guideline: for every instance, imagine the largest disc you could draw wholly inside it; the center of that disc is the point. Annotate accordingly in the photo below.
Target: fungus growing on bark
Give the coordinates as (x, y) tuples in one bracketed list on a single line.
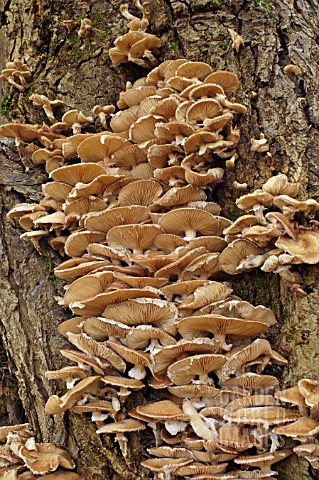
[(15, 74), (139, 220)]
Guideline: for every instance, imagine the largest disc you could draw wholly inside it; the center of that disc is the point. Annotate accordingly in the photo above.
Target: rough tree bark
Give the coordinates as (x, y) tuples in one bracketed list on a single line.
[(285, 109)]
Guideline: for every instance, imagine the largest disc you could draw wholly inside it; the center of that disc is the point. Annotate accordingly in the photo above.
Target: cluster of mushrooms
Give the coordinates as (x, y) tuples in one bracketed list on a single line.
[(136, 46), (277, 234), (22, 458), (132, 208)]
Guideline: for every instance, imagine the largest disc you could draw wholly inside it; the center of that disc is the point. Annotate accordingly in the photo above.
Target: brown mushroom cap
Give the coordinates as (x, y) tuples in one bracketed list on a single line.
[(105, 220), (231, 258), (303, 427), (227, 80), (305, 247), (100, 148), (196, 326), (279, 185), (183, 371), (135, 237), (252, 381), (264, 416), (123, 426), (161, 410), (190, 221), (264, 460), (81, 172)]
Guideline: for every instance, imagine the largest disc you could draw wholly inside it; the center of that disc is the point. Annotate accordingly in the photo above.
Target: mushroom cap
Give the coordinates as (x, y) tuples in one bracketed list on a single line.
[(135, 237), (77, 242), (83, 358), (203, 110), (227, 80), (161, 410), (252, 381), (263, 459), (309, 389), (248, 201), (193, 391), (4, 431), (291, 395), (76, 267), (97, 187), (91, 347), (279, 185), (231, 258), (165, 464), (205, 294), (22, 132), (251, 401), (265, 416), (143, 311), (140, 192), (81, 172), (57, 405), (183, 371), (166, 355), (123, 426), (140, 336), (96, 305), (184, 220), (305, 247), (130, 383), (194, 70), (99, 148), (196, 326), (88, 286), (100, 328), (303, 427), (105, 220)]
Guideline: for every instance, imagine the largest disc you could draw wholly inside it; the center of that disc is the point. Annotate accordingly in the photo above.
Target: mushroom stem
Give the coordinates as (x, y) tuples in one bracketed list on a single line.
[(122, 441), (190, 234)]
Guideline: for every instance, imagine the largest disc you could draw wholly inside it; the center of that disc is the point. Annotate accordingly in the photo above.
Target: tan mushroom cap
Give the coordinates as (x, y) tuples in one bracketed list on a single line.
[(97, 187), (161, 410), (168, 243), (123, 426), (199, 469), (130, 383), (140, 282), (305, 247), (193, 391), (309, 389), (264, 460), (140, 192), (45, 457), (96, 305), (100, 328), (57, 190), (4, 431), (183, 371), (206, 294), (227, 80), (231, 259), (138, 358), (251, 401), (183, 289), (76, 267), (21, 132), (143, 311), (289, 206), (194, 70), (240, 309), (197, 326), (57, 405), (22, 209), (189, 221), (202, 111), (88, 286), (72, 174), (135, 237), (65, 372), (252, 381), (279, 185), (170, 452), (264, 416), (72, 325), (91, 347), (94, 406), (99, 148), (310, 450), (291, 395), (78, 242), (303, 427), (165, 464), (83, 358), (105, 220), (142, 335), (181, 196), (166, 355)]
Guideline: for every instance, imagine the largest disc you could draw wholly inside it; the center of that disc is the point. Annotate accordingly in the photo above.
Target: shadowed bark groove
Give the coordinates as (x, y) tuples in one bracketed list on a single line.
[(284, 108)]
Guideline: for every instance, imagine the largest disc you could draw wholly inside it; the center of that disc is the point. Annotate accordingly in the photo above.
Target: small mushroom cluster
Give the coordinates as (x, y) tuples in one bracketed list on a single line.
[(136, 46), (275, 235), (22, 458), (132, 208), (15, 74)]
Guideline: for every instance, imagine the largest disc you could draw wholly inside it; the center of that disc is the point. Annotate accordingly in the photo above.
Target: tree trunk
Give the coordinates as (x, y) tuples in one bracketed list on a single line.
[(283, 107)]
